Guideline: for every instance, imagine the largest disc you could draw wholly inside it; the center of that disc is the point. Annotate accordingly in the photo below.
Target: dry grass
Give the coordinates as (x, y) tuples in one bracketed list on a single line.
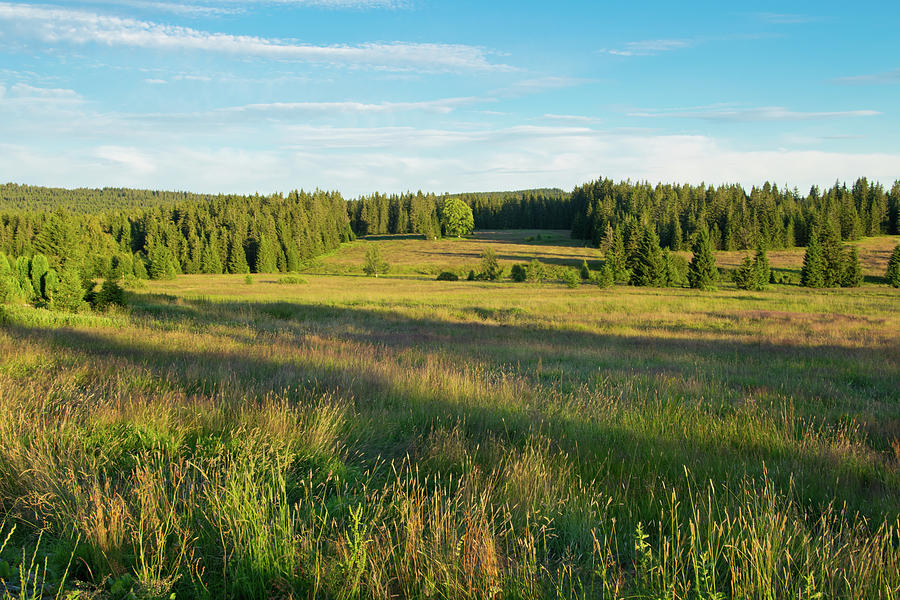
[(404, 437)]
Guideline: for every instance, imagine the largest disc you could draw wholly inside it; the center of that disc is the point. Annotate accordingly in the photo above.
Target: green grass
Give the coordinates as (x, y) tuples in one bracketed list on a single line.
[(357, 437)]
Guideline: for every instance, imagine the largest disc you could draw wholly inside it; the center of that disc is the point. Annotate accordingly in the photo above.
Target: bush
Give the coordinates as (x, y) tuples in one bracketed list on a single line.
[(470, 276), (490, 267), (248, 279), (605, 277), (534, 272), (448, 276), (585, 271), (374, 264), (519, 273), (571, 277), (110, 294), (290, 280)]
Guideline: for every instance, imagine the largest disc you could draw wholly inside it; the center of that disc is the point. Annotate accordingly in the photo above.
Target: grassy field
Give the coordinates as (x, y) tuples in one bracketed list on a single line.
[(413, 255), (354, 437)]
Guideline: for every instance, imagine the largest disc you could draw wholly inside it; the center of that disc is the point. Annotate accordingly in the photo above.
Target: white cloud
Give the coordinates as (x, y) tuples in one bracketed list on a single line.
[(537, 85), (25, 91), (56, 25), (762, 113), (156, 81), (787, 18), (650, 47), (360, 160), (885, 77)]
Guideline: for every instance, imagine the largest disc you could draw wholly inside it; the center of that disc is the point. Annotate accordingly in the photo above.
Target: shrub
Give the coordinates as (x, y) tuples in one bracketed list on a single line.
[(109, 294), (606, 276), (374, 264), (248, 279), (490, 267), (534, 271), (448, 276), (585, 271), (571, 277), (290, 280), (470, 276), (519, 273)]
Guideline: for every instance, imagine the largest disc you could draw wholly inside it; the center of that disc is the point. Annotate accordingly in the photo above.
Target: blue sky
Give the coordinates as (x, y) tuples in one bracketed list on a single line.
[(394, 95)]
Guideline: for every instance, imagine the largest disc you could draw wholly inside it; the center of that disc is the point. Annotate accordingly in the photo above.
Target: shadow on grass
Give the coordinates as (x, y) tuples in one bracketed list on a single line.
[(552, 361)]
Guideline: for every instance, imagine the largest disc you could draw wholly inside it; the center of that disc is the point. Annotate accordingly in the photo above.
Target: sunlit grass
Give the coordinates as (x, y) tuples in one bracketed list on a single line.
[(403, 437)]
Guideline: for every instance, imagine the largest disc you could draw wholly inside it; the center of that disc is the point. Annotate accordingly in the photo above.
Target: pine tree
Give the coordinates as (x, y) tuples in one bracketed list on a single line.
[(649, 267), (761, 269), (813, 272), (162, 264), (69, 295), (265, 256), (833, 255), (39, 267), (702, 272), (852, 276), (585, 270), (893, 269), (237, 259)]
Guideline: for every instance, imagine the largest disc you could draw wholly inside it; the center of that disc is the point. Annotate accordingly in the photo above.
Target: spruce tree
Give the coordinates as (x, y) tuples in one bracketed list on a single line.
[(702, 271), (852, 276), (69, 295), (237, 259), (893, 269), (813, 272), (265, 256), (585, 270), (761, 269), (649, 266), (833, 256), (39, 267), (745, 275)]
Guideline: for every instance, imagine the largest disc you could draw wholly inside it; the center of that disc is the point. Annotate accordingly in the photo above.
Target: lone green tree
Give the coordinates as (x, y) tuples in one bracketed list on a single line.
[(893, 269), (456, 218), (374, 264), (702, 271)]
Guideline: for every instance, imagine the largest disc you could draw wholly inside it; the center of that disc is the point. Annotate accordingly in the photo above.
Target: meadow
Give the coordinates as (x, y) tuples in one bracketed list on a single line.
[(341, 436)]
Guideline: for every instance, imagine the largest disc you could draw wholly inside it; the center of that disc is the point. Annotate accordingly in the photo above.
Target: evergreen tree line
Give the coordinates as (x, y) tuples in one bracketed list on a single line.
[(221, 234), (767, 217), (380, 214), (528, 209), (418, 213), (15, 198)]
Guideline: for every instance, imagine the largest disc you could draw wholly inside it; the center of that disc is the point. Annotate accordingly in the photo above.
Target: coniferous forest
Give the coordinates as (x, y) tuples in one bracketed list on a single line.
[(115, 233)]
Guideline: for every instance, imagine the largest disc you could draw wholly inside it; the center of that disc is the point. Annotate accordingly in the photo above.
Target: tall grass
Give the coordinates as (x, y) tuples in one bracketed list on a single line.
[(498, 442)]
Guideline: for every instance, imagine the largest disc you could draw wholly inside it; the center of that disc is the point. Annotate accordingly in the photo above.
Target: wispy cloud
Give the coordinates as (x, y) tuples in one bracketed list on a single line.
[(55, 25), (762, 113), (787, 18), (224, 7), (286, 111), (650, 47), (885, 77), (536, 85)]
